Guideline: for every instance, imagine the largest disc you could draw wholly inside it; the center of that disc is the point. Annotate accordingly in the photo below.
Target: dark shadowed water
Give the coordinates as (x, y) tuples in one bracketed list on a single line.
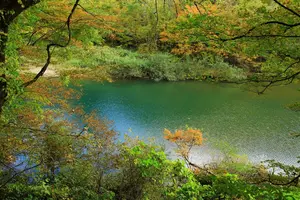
[(258, 126)]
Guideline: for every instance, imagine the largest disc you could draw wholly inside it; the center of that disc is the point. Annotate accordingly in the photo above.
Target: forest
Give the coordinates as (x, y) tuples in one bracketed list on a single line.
[(149, 99)]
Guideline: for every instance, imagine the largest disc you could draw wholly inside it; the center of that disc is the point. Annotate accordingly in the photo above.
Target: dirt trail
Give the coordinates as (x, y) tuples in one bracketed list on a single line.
[(51, 71)]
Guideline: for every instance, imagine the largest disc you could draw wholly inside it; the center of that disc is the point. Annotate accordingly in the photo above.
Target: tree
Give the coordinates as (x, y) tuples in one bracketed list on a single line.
[(9, 11), (26, 120), (185, 140), (259, 36), (278, 35)]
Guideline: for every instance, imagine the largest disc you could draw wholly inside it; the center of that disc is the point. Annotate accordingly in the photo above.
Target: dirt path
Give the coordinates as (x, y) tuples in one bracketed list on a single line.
[(51, 71)]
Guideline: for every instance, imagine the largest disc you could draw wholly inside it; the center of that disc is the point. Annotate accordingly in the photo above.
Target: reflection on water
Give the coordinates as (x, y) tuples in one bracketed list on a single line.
[(258, 126)]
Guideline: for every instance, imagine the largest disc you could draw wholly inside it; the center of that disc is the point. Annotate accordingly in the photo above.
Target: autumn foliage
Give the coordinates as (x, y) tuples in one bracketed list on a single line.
[(189, 136), (185, 140)]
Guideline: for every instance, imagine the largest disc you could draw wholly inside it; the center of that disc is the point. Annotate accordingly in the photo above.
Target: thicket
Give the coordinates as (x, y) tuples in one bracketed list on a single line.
[(137, 170), (120, 63)]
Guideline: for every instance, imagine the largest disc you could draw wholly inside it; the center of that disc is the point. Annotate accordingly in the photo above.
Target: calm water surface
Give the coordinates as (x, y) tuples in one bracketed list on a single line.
[(258, 126)]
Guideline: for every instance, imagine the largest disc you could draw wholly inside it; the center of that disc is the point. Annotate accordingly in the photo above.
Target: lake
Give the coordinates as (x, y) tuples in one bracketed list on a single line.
[(257, 125)]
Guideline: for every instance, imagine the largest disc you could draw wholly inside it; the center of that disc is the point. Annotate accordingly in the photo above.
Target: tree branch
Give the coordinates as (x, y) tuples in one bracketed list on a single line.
[(246, 34), (49, 46), (287, 8), (85, 10), (19, 173)]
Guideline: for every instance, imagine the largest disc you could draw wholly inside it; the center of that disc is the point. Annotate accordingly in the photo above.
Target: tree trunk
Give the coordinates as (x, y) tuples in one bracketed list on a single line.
[(3, 84), (9, 10)]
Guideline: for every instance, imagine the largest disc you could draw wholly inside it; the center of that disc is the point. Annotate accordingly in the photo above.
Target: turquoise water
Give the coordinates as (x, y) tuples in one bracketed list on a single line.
[(257, 125)]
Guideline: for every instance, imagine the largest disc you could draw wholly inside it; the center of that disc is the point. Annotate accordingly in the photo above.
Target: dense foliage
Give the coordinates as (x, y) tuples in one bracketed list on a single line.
[(52, 150)]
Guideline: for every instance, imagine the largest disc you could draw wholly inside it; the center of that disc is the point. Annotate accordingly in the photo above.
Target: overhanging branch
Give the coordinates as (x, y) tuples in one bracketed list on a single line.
[(287, 8), (280, 77), (49, 46), (276, 22)]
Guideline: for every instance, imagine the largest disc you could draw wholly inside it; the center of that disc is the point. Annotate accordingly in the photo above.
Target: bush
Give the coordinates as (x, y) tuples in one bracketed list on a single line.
[(144, 172)]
